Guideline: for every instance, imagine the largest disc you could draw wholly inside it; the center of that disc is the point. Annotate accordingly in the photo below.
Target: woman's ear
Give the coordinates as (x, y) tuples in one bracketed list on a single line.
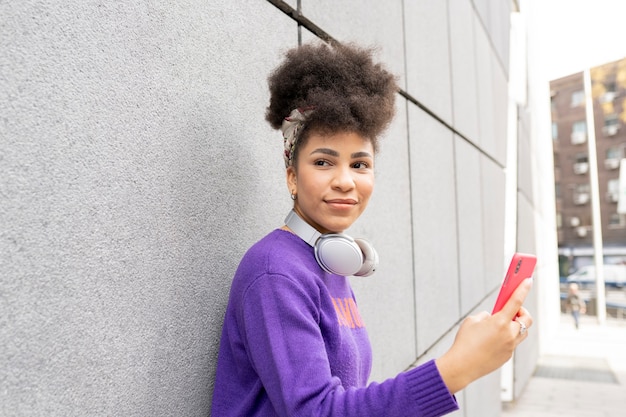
[(291, 180)]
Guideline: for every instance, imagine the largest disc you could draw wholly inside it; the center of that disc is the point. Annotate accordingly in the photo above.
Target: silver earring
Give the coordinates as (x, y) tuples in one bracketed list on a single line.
[(294, 196)]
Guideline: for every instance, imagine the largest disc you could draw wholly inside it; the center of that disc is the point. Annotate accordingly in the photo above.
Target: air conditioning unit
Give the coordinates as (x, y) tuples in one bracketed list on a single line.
[(578, 138), (581, 167), (574, 222), (581, 231), (581, 198), (610, 130), (612, 197), (611, 163), (607, 97)]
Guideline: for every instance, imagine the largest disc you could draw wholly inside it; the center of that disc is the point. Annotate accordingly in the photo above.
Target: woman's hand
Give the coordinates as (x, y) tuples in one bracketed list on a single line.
[(485, 342)]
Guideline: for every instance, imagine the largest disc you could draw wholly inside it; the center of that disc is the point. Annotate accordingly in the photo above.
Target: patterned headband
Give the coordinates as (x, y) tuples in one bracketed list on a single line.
[(290, 128)]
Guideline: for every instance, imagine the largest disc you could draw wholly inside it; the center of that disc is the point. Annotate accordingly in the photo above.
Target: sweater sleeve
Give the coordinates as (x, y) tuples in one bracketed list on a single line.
[(280, 322)]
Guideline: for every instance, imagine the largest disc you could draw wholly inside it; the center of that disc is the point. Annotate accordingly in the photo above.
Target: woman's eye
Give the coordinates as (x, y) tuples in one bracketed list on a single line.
[(360, 165), (321, 163)]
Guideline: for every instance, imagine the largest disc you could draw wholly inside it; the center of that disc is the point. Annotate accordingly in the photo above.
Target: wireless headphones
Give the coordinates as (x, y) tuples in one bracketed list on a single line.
[(336, 253)]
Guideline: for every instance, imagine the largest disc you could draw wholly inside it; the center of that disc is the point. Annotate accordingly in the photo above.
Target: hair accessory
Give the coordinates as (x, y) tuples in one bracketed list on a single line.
[(290, 128)]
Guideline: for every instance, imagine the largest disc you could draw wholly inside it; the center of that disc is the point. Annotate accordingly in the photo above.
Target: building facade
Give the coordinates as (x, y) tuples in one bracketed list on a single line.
[(572, 165)]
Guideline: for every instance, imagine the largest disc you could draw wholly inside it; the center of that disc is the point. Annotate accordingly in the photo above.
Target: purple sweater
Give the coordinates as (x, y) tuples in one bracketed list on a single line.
[(294, 344)]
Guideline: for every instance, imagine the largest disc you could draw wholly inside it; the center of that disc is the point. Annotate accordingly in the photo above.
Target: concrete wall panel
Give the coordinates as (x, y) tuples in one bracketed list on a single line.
[(434, 227), (500, 123), (132, 154), (428, 56), (470, 223), (463, 68), (524, 170), (492, 98), (494, 16), (386, 299), (366, 22), (493, 182)]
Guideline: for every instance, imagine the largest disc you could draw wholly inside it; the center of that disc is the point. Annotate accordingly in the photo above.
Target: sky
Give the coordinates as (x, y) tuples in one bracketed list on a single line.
[(577, 34)]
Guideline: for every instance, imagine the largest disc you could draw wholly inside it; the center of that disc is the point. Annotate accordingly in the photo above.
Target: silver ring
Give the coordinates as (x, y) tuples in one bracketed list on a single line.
[(522, 326)]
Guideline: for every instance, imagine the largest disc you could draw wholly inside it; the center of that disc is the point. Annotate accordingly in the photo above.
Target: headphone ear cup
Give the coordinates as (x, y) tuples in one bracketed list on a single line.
[(370, 258), (339, 254)]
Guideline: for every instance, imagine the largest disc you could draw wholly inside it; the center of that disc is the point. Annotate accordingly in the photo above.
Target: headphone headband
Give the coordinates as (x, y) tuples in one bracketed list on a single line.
[(301, 228)]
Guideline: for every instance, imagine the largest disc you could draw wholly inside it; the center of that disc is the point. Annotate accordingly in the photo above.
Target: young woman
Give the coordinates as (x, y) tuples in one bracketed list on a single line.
[(293, 342)]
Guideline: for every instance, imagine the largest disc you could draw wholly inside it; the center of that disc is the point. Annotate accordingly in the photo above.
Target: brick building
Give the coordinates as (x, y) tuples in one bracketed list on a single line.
[(571, 163)]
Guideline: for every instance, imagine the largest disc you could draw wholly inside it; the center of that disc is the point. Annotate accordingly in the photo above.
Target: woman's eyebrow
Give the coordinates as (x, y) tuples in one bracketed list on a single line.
[(361, 154), (332, 152), (325, 151)]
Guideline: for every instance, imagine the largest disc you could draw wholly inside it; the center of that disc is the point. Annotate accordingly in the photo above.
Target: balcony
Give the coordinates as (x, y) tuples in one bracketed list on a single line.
[(608, 97), (611, 163), (581, 168), (612, 197), (581, 198), (579, 138), (610, 130)]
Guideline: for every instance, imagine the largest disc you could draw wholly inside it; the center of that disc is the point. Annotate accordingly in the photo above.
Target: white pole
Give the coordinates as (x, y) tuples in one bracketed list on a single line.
[(595, 201), (516, 96)]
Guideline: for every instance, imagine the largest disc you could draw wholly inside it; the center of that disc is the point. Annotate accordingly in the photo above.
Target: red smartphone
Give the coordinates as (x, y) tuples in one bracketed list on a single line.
[(521, 267)]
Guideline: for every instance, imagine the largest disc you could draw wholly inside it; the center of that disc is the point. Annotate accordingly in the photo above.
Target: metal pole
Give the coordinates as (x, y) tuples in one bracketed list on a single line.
[(595, 201)]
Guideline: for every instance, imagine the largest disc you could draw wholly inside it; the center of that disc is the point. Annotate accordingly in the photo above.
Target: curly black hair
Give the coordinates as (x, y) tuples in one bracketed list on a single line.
[(348, 90)]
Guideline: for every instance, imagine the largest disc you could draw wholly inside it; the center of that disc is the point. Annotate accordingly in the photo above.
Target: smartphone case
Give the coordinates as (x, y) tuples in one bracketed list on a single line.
[(521, 267)]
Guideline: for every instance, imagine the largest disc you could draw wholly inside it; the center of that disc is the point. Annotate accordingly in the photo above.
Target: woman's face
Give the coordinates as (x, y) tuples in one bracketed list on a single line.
[(333, 181)]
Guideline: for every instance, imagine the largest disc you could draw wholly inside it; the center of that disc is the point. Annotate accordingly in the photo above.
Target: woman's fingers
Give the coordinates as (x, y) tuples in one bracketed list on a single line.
[(513, 306), (522, 323), (484, 342)]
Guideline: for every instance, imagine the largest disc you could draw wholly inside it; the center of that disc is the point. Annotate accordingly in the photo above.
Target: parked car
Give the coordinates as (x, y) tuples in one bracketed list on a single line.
[(614, 275)]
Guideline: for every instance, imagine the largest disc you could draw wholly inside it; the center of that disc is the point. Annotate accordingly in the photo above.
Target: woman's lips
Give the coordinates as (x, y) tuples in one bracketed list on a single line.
[(341, 202)]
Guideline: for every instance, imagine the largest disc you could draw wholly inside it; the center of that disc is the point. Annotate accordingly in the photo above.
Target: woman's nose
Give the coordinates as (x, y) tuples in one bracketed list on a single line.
[(343, 179)]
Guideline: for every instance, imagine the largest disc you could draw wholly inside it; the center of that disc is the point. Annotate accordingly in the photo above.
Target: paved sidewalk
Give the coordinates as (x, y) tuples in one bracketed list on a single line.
[(582, 373)]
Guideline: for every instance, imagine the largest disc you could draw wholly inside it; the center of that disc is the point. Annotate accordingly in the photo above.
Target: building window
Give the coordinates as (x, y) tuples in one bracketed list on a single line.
[(610, 93), (611, 124), (614, 153), (581, 194), (617, 221), (613, 157), (578, 98), (612, 191), (579, 132), (581, 164)]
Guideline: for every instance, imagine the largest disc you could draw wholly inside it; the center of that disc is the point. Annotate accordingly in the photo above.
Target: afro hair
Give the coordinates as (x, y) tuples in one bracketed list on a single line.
[(346, 88)]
